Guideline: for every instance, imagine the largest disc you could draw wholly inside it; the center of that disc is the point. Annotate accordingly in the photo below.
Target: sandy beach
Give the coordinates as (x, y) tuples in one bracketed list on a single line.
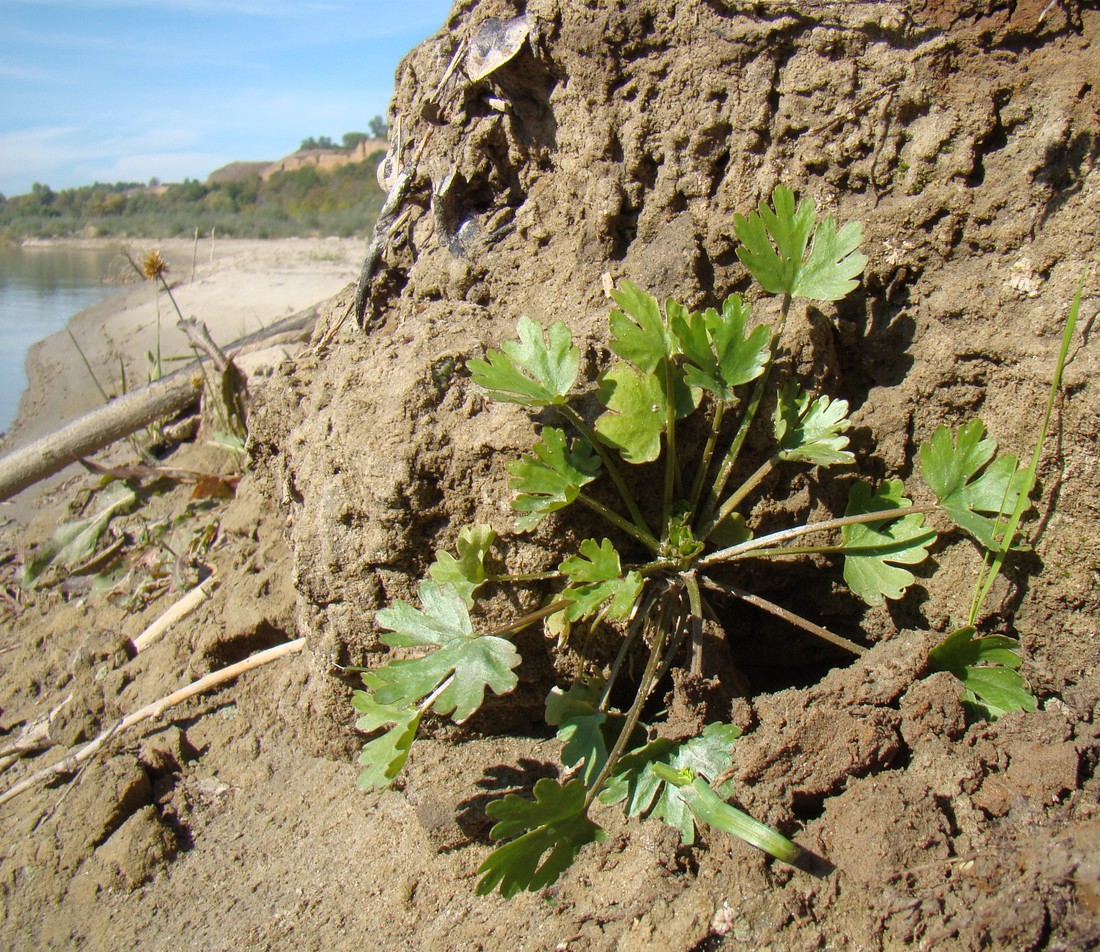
[(235, 287)]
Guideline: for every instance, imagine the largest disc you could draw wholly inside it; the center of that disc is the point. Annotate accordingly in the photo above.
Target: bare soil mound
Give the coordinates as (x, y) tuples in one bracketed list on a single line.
[(621, 139)]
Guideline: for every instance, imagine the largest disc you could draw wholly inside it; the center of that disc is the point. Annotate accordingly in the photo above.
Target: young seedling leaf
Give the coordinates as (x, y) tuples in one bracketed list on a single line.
[(977, 491), (987, 669), (638, 782), (384, 756), (467, 572), (638, 332), (721, 356), (587, 732), (538, 370), (467, 661), (875, 551), (556, 823), (580, 699), (774, 244), (74, 542), (598, 578), (586, 741), (637, 410), (551, 477), (708, 807), (810, 430)]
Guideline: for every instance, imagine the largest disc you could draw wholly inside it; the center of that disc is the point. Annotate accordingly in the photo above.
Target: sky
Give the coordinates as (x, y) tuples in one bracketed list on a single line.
[(128, 90)]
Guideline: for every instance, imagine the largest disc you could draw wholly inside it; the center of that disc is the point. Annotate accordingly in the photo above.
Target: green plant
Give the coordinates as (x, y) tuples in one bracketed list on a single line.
[(654, 585), (988, 666)]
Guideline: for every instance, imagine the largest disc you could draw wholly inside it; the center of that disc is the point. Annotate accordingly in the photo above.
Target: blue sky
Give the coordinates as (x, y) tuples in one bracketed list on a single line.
[(125, 90)]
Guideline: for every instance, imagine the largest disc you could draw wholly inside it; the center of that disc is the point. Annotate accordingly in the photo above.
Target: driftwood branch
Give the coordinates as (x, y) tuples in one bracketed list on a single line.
[(93, 431), (122, 416), (69, 764), (199, 336)]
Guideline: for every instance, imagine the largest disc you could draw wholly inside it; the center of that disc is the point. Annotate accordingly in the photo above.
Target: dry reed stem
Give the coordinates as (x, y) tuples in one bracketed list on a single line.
[(73, 761), (179, 610)]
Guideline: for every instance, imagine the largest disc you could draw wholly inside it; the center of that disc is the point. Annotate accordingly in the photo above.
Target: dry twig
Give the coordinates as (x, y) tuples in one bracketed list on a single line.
[(71, 763), (181, 609)]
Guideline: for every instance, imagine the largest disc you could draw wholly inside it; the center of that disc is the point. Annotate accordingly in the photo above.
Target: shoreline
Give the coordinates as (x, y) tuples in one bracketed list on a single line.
[(237, 286)]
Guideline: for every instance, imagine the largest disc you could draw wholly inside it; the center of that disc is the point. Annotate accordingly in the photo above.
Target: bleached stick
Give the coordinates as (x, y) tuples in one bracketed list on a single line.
[(213, 680), (180, 609)]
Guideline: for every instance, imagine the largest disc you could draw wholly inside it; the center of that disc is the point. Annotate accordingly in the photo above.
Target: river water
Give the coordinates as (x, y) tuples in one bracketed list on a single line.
[(41, 287)]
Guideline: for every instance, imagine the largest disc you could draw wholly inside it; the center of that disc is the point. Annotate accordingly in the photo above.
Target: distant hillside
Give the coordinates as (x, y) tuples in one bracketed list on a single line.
[(236, 172), (316, 158)]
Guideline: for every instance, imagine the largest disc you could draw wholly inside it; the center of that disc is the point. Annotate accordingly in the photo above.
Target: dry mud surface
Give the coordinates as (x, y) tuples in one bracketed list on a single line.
[(964, 135)]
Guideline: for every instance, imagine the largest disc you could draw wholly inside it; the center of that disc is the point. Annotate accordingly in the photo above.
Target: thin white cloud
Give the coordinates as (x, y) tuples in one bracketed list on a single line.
[(125, 97), (26, 74)]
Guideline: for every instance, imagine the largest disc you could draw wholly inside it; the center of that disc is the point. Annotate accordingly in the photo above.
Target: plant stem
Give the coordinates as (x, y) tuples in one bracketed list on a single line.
[(87, 365), (994, 560), (788, 616), (731, 504), (545, 612), (431, 698), (635, 626), (734, 451), (695, 599), (682, 627), (739, 551), (526, 577), (628, 498), (884, 548), (644, 687), (671, 469), (645, 537), (704, 462), (171, 296)]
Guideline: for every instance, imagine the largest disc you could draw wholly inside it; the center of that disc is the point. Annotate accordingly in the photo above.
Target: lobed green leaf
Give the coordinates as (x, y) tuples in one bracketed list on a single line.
[(472, 662), (977, 491), (556, 823), (810, 430), (637, 409), (639, 332), (598, 578), (538, 370), (875, 551), (721, 355), (773, 248), (385, 755), (551, 477)]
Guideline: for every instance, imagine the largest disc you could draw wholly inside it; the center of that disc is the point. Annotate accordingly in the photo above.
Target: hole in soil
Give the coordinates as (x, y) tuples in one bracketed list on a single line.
[(808, 806), (774, 655)]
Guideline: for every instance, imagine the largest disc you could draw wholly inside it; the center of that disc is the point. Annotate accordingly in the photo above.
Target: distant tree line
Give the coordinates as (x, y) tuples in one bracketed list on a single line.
[(378, 130), (306, 201)]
